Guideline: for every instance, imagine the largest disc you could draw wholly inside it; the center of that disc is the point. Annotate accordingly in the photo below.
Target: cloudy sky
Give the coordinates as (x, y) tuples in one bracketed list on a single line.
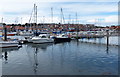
[(99, 12)]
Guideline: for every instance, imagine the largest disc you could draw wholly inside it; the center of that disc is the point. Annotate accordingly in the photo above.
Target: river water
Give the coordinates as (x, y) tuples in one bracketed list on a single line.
[(69, 58)]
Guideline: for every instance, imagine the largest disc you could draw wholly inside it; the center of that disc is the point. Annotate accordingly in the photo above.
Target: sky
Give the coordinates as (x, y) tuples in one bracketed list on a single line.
[(98, 12)]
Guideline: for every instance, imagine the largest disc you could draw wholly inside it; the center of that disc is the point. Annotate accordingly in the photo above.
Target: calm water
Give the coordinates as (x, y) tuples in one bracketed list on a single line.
[(113, 40), (70, 58)]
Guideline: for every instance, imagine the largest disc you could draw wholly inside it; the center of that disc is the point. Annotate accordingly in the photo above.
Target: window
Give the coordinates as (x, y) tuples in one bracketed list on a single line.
[(43, 36)]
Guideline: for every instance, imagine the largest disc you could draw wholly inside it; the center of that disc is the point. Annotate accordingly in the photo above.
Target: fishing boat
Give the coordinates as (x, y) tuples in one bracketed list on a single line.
[(8, 44), (42, 38)]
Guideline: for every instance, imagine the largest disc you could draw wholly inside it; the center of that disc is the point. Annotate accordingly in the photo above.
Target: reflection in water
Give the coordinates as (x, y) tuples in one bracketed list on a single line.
[(73, 58), (5, 52), (113, 40), (10, 49), (36, 48), (35, 66), (6, 57), (99, 41), (107, 49), (40, 46), (34, 61)]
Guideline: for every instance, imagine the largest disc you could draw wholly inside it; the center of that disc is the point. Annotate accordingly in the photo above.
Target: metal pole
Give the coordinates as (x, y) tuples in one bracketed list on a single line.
[(2, 20), (69, 19), (76, 17), (36, 18), (61, 15), (52, 15), (36, 14), (21, 20)]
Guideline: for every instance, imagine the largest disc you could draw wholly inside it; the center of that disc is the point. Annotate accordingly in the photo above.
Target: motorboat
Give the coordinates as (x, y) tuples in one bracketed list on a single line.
[(42, 38)]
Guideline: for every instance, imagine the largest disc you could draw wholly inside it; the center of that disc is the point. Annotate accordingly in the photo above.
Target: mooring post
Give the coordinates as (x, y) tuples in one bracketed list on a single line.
[(5, 33), (107, 39)]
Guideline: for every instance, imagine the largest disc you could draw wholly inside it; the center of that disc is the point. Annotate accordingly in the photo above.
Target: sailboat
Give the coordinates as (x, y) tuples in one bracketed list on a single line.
[(42, 38), (34, 15), (61, 37)]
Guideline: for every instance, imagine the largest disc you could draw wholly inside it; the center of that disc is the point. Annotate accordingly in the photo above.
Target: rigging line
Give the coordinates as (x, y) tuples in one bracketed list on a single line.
[(31, 15)]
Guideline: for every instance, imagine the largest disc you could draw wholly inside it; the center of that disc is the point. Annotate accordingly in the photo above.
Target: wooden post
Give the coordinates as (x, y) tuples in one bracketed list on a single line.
[(107, 37), (5, 33)]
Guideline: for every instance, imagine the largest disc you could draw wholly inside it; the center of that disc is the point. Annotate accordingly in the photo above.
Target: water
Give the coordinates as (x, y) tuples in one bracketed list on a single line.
[(113, 40), (70, 58)]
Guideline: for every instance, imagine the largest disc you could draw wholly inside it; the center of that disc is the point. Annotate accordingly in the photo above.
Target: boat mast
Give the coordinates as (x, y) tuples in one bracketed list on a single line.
[(77, 27), (76, 18), (2, 20), (62, 16), (69, 19), (52, 15), (35, 15), (21, 20)]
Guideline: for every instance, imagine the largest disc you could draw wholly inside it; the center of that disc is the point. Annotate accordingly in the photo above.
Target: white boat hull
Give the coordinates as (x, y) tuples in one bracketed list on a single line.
[(8, 44), (42, 41)]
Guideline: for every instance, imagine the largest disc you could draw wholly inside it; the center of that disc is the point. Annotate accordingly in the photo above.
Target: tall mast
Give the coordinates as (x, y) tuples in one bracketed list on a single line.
[(62, 16), (21, 20), (69, 19), (52, 15), (43, 19), (73, 20), (2, 20), (36, 14), (76, 18)]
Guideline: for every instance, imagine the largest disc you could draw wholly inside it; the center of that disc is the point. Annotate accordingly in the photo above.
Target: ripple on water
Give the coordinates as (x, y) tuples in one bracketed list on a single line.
[(73, 58)]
